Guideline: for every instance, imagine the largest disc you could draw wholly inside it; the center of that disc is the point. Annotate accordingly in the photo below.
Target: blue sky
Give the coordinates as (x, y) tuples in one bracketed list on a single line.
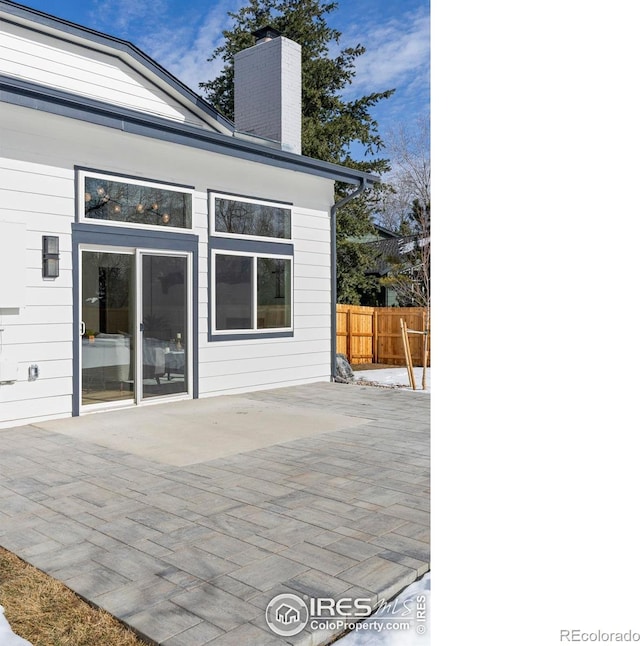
[(182, 35)]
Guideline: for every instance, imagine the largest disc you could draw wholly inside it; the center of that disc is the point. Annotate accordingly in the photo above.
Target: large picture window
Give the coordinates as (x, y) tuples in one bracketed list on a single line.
[(252, 292), (139, 203), (251, 218)]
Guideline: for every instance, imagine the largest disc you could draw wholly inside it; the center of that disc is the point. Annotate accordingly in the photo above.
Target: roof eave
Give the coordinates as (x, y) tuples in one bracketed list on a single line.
[(34, 96), (26, 16)]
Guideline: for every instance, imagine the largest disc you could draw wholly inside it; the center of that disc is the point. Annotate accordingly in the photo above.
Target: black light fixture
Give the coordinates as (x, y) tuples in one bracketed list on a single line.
[(50, 256)]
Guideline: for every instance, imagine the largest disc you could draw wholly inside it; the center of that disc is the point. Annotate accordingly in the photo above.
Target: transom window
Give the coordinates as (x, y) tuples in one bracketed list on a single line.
[(251, 218), (252, 292), (140, 203)]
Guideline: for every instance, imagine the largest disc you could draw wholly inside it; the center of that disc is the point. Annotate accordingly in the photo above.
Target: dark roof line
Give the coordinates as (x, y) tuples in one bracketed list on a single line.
[(16, 91), (31, 95), (124, 46)]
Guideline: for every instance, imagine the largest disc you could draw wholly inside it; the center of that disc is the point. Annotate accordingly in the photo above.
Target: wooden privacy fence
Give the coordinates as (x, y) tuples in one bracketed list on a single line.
[(372, 334)]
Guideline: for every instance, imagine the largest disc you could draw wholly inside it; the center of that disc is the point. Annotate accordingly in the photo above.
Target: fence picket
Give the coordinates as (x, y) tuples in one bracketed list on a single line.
[(373, 335)]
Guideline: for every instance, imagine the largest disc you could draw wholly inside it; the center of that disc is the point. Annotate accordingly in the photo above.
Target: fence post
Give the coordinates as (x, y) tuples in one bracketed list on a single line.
[(349, 336), (374, 340)]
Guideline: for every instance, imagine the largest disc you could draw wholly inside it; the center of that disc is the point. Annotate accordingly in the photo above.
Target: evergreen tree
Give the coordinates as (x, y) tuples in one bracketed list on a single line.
[(330, 124)]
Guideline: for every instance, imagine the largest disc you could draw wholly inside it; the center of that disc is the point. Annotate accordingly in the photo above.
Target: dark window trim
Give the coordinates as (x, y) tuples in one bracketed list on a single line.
[(129, 225), (242, 198), (247, 197), (252, 248), (108, 236)]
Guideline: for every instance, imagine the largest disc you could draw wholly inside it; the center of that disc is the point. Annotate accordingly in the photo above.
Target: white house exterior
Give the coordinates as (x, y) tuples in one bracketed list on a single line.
[(192, 260)]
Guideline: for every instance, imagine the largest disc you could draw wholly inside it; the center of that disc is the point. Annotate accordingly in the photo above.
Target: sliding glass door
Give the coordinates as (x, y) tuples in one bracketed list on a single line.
[(135, 326), (164, 324), (108, 333)]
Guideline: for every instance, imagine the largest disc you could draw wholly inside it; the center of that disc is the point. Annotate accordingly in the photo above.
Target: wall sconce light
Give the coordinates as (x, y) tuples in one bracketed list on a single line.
[(50, 257)]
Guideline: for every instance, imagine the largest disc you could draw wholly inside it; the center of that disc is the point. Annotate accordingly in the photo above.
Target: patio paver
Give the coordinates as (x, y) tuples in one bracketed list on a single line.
[(191, 553)]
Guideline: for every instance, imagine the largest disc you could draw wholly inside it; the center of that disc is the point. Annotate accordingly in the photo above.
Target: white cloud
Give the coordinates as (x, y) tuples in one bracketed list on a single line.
[(127, 18), (179, 37), (397, 53), (184, 48)]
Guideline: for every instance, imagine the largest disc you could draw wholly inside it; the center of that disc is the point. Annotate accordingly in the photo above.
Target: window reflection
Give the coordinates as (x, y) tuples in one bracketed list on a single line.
[(245, 218), (122, 202)]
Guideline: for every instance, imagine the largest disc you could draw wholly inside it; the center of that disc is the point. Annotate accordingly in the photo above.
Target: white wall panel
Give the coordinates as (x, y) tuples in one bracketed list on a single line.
[(38, 314), (41, 350), (304, 283), (316, 296), (47, 60), (313, 246), (37, 176), (33, 391), (313, 271), (258, 352), (27, 411), (242, 383)]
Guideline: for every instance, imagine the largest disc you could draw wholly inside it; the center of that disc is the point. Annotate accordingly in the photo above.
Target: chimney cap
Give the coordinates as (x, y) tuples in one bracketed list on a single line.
[(265, 33)]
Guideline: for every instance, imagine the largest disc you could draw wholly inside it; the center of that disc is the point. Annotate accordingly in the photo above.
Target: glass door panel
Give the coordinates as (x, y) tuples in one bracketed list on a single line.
[(108, 317), (164, 325)]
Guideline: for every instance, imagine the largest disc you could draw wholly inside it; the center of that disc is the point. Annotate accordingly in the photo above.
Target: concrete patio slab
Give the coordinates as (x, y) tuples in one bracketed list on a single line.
[(185, 529), (208, 428)]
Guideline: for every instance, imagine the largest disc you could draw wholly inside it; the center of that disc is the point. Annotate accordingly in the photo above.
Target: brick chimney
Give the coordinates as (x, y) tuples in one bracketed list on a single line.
[(268, 89)]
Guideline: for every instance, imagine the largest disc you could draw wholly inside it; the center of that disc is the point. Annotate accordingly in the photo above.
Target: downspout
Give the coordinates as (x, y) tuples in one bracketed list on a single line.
[(334, 270)]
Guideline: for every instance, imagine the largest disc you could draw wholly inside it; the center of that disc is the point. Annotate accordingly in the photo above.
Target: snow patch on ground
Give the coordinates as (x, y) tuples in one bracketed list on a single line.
[(7, 636), (404, 608), (396, 377)]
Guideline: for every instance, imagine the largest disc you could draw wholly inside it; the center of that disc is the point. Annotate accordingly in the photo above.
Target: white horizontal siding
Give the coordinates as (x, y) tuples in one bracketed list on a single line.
[(313, 246), (311, 235), (243, 382), (40, 349), (35, 332), (258, 350), (239, 366), (313, 296), (304, 283), (42, 197), (312, 271), (49, 369), (36, 204), (36, 390), (311, 218), (284, 361), (39, 314), (27, 411), (48, 294), (302, 335), (37, 181), (57, 63), (313, 309)]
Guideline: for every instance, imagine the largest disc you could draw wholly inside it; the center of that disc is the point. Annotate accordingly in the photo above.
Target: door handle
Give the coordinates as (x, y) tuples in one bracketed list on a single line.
[(83, 328)]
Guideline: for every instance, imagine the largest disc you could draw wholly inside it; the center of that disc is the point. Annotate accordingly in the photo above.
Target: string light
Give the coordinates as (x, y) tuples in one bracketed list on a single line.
[(102, 197)]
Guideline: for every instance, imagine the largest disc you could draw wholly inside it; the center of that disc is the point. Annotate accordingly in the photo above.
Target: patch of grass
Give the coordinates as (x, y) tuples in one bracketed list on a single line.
[(47, 613)]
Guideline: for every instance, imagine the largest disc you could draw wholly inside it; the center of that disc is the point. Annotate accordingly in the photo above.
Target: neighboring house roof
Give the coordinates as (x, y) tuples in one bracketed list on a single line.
[(380, 233), (203, 126), (392, 251), (385, 233)]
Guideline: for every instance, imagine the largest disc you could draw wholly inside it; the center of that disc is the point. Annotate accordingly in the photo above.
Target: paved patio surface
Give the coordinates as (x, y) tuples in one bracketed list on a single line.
[(188, 548)]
